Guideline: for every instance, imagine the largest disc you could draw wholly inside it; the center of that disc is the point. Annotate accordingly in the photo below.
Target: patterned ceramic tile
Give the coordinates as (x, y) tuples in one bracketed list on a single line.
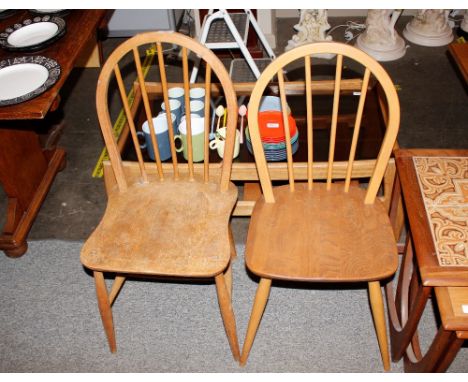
[(443, 182)]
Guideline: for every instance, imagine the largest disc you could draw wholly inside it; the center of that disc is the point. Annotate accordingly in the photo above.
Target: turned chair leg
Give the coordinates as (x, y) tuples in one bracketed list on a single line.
[(105, 309), (261, 298), (378, 312), (227, 314)]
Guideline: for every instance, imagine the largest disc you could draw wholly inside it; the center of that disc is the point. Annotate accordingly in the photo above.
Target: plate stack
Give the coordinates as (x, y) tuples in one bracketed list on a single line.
[(272, 132)]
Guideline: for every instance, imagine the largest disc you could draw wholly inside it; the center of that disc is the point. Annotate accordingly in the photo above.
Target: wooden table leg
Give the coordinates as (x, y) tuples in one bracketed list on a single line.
[(451, 351), (405, 310), (439, 356), (26, 174)]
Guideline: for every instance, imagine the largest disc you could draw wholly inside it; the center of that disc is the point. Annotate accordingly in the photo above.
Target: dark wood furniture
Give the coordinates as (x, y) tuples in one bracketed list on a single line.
[(422, 272), (26, 169), (460, 54)]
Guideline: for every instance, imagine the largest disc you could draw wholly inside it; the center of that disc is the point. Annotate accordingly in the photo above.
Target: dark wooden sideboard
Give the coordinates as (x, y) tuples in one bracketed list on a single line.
[(27, 170)]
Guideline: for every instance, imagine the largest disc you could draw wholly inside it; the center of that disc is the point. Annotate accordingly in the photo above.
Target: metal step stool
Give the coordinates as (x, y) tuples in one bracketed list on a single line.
[(223, 30)]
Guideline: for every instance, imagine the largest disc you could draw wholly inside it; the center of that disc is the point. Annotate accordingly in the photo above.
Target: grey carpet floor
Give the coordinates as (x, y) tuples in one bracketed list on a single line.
[(50, 323)]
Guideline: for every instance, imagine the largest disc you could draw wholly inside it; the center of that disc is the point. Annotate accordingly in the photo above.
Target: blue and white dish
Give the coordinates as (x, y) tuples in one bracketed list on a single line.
[(23, 78), (32, 34)]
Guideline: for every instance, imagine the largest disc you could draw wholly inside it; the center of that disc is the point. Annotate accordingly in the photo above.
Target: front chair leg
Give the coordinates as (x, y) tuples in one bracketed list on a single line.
[(227, 314), (105, 309), (378, 312), (261, 298)]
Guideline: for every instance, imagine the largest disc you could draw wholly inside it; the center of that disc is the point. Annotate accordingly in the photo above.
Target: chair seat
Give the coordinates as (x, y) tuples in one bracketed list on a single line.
[(171, 228), (321, 235)]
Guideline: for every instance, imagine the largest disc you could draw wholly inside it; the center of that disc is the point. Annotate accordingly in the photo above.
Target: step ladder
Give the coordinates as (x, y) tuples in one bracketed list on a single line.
[(223, 30)]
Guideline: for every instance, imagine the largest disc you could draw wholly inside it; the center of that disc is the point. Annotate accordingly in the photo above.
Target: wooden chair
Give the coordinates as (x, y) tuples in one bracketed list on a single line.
[(329, 231), (169, 223)]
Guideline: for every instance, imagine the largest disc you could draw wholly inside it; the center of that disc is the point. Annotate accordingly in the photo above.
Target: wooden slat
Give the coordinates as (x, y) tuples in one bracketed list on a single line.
[(207, 122), (187, 110), (310, 129), (357, 127), (131, 123), (336, 103), (287, 132), (248, 171), (162, 72), (149, 114), (319, 87)]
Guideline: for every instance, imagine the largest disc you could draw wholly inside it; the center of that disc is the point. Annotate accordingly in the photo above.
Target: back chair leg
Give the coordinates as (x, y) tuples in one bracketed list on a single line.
[(228, 279), (261, 298), (233, 244), (227, 314), (378, 312), (105, 309), (118, 283)]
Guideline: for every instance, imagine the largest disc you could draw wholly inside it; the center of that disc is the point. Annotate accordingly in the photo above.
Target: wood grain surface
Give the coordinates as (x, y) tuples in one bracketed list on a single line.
[(320, 235)]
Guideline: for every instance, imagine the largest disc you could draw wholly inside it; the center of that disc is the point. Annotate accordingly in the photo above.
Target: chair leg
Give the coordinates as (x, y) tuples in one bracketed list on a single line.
[(105, 309), (227, 314), (228, 279), (232, 244), (378, 312), (261, 298), (118, 282)]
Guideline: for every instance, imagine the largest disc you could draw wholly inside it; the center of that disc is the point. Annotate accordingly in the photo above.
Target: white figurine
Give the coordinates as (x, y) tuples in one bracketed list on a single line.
[(312, 27), (429, 27), (380, 39)]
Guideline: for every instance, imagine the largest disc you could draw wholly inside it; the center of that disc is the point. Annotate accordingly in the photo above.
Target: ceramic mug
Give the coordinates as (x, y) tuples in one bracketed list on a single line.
[(197, 108), (177, 94), (197, 126), (176, 108), (162, 135), (218, 142), (197, 94)]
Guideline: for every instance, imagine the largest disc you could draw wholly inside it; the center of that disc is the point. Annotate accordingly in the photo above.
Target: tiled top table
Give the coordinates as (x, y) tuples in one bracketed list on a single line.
[(434, 185)]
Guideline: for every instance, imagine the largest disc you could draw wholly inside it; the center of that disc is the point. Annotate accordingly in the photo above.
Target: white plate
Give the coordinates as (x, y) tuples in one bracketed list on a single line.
[(48, 10), (19, 80), (23, 78), (33, 34)]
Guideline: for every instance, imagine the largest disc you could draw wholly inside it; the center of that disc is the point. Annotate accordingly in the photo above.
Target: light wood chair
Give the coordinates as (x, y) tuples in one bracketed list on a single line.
[(172, 221), (329, 231)]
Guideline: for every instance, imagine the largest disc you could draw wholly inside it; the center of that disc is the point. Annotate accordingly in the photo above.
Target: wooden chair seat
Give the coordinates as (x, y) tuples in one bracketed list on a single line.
[(321, 236), (170, 228)]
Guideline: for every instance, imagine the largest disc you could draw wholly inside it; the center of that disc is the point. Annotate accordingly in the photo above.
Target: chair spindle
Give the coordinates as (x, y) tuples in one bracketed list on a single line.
[(357, 127), (130, 121), (162, 72), (287, 133), (310, 128), (336, 102), (187, 111), (149, 114), (207, 123)]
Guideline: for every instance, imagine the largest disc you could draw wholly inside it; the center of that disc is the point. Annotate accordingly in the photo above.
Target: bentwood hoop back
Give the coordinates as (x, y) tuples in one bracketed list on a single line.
[(172, 221)]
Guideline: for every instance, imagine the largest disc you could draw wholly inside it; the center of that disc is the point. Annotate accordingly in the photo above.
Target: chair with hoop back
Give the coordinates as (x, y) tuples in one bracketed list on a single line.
[(327, 228), (170, 220)]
